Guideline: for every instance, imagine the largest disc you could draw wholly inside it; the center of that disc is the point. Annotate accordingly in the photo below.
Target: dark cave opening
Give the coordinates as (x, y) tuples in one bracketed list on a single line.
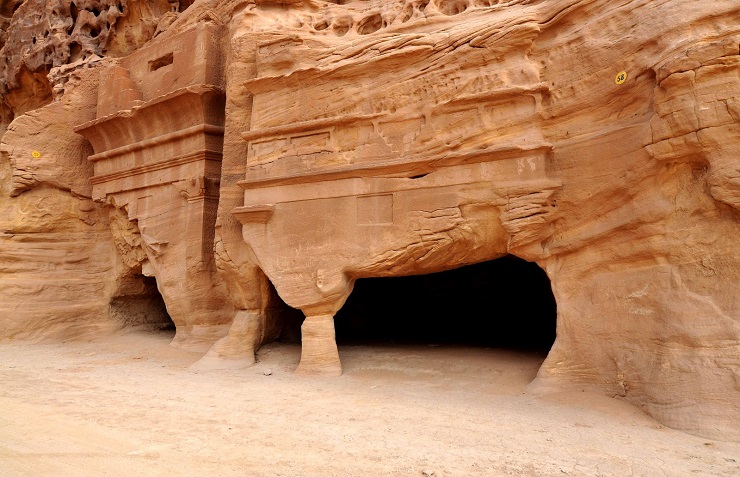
[(138, 306), (505, 303)]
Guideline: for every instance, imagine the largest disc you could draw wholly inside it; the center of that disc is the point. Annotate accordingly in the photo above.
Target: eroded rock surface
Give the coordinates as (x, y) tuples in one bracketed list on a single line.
[(40, 36), (62, 275), (303, 145)]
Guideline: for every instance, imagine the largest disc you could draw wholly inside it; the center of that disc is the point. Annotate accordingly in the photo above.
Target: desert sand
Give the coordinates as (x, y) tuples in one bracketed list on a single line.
[(133, 405)]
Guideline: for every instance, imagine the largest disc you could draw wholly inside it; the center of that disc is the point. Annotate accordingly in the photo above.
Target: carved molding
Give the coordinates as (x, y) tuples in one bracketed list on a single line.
[(157, 166), (159, 140), (254, 214), (402, 167), (198, 188)]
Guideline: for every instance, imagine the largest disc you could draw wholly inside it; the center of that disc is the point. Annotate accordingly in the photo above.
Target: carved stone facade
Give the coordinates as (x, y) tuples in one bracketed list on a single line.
[(389, 183), (158, 145)]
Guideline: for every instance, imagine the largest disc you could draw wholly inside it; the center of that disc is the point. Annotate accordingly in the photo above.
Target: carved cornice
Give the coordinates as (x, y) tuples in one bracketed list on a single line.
[(177, 115), (253, 214), (402, 167), (306, 126), (156, 133), (157, 166), (159, 140)]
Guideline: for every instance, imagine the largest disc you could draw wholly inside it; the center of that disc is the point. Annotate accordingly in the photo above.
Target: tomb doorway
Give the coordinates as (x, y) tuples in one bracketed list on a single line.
[(505, 304), (138, 306)]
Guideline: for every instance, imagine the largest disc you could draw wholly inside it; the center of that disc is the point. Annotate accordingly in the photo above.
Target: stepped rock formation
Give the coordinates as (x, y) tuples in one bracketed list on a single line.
[(247, 153)]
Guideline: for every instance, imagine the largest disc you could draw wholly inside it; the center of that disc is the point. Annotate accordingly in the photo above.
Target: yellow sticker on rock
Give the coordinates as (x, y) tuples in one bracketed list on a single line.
[(621, 77), (36, 154)]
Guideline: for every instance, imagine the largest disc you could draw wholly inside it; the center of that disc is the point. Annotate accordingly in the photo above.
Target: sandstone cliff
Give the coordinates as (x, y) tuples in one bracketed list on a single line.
[(239, 146)]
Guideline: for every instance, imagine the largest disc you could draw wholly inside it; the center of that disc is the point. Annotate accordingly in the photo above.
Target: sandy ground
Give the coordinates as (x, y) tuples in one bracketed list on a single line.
[(131, 405)]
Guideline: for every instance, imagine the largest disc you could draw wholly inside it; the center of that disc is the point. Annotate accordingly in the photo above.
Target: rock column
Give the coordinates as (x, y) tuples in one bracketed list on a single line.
[(319, 354)]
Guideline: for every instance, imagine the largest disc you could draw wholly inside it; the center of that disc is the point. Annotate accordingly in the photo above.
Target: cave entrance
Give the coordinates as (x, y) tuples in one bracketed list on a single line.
[(505, 303), (138, 306)]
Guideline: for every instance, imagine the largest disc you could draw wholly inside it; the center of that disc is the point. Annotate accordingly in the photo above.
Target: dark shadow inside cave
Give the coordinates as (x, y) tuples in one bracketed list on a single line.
[(505, 303), (139, 306), (282, 321)]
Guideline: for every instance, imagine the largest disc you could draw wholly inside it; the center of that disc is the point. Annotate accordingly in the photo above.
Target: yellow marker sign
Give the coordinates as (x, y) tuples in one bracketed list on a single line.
[(36, 154), (621, 77)]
